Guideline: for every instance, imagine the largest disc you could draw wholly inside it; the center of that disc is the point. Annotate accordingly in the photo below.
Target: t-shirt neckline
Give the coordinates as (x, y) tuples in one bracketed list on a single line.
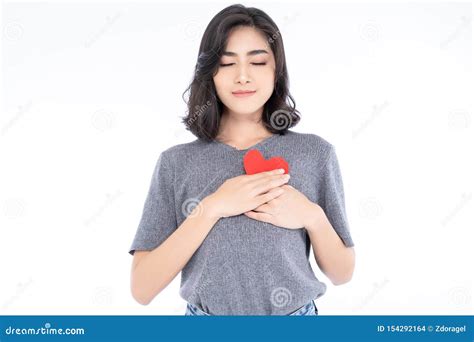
[(255, 146)]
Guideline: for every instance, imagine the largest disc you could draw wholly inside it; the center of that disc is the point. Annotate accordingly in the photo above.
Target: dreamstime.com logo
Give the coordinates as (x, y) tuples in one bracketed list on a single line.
[(46, 330), (281, 119), (281, 297), (192, 207)]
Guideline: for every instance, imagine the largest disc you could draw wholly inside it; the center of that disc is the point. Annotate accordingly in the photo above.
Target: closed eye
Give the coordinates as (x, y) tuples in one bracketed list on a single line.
[(229, 64)]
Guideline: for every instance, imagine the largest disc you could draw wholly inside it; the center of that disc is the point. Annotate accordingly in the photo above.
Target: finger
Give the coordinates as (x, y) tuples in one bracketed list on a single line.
[(266, 184), (260, 216), (266, 174), (264, 208), (270, 195)]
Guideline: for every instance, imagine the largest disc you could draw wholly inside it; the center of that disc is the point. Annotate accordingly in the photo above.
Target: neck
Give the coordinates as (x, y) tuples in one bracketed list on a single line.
[(238, 128)]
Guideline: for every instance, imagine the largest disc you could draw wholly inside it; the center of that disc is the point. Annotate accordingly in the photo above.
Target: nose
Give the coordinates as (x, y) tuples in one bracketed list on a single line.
[(243, 75)]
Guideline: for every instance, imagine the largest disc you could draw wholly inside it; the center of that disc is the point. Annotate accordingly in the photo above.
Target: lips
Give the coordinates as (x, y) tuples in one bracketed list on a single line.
[(243, 93)]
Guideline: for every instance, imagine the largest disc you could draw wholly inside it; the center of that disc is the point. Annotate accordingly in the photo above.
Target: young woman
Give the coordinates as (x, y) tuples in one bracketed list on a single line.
[(242, 242)]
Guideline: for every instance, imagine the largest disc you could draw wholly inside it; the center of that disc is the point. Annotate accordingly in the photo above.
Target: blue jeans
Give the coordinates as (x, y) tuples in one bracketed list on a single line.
[(309, 309)]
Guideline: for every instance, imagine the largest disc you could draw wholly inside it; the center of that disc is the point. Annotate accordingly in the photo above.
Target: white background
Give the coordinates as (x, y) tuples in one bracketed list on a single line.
[(92, 95)]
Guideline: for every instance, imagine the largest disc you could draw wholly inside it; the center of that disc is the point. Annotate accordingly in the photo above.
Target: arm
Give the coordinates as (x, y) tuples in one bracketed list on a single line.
[(153, 271), (334, 259)]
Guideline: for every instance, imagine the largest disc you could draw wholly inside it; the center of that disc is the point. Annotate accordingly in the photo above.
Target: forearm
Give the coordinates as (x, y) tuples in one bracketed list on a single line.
[(334, 259), (157, 269)]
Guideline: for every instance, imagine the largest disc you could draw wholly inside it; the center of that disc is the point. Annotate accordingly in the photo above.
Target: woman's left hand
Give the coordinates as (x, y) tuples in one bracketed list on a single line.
[(292, 210)]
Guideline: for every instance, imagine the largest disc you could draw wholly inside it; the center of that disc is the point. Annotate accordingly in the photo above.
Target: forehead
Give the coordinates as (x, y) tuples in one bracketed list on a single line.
[(243, 39)]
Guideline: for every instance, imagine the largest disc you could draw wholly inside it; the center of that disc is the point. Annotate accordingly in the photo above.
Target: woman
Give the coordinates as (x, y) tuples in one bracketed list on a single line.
[(242, 242)]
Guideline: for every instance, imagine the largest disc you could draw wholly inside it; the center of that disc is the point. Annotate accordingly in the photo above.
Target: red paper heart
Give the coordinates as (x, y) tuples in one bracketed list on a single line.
[(255, 163)]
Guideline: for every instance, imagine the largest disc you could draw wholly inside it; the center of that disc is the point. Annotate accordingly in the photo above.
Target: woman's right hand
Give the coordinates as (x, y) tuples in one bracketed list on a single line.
[(245, 192)]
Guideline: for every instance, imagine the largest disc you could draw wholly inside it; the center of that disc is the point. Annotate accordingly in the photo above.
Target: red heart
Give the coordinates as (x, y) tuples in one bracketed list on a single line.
[(255, 163)]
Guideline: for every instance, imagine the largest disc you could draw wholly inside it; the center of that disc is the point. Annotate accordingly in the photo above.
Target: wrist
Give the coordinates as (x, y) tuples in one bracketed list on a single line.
[(210, 209), (313, 218)]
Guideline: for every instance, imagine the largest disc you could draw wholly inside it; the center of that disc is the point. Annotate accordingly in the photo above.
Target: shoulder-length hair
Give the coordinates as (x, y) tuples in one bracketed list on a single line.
[(204, 107)]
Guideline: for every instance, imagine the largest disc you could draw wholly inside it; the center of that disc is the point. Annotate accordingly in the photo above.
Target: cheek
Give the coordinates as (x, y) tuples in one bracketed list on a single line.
[(266, 82), (218, 81), (271, 76), (221, 83)]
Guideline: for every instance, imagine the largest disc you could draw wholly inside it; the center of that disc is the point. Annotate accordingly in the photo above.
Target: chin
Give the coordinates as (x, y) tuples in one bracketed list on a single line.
[(245, 107), (245, 110)]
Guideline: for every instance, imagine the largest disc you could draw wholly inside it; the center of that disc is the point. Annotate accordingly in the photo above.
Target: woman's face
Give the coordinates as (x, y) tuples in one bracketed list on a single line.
[(247, 64)]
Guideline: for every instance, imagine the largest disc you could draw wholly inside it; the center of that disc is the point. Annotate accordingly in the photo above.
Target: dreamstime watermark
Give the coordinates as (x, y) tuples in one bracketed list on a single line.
[(377, 110), (201, 287), (110, 198), (46, 330), (224, 268), (459, 119), (192, 29), (281, 119), (192, 207), (103, 120), (103, 296), (198, 111), (289, 18), (20, 112), (460, 296), (109, 22), (273, 37), (13, 31), (14, 208), (370, 208), (465, 199), (21, 288), (463, 26), (370, 31), (281, 297), (377, 287), (177, 309)]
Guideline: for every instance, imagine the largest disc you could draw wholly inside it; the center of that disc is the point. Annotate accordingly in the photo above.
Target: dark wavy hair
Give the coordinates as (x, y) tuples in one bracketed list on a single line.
[(204, 107)]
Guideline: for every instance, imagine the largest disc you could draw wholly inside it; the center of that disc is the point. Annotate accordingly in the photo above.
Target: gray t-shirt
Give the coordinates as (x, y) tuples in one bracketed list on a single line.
[(244, 266)]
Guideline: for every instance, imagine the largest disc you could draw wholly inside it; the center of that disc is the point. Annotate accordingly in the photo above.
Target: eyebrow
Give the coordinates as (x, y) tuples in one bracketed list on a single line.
[(250, 53)]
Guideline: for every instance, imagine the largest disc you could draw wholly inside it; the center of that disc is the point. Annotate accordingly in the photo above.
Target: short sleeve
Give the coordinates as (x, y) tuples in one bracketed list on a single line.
[(158, 220), (332, 198)]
